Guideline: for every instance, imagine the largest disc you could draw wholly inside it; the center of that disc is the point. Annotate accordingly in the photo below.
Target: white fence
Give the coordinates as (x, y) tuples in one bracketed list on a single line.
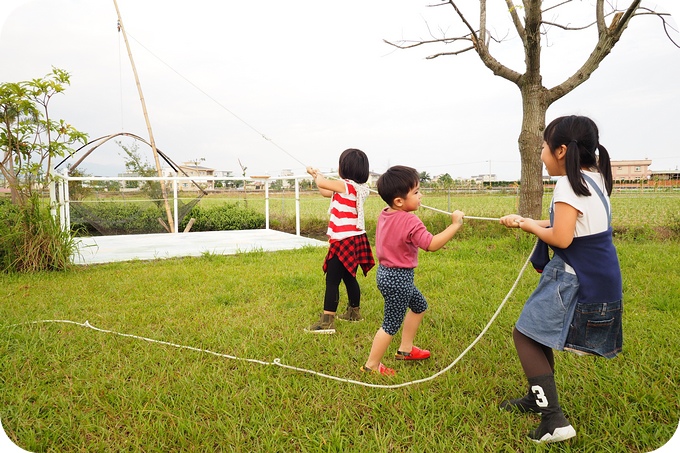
[(60, 203)]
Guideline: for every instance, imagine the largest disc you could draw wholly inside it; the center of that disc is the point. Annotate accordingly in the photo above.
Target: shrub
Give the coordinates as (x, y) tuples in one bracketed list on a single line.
[(31, 239), (116, 218), (223, 217)]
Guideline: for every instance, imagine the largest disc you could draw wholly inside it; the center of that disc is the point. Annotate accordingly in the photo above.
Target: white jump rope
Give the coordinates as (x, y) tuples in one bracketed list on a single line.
[(277, 361)]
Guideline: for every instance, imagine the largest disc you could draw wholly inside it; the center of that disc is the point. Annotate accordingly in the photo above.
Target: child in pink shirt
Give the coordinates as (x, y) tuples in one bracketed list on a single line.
[(399, 234)]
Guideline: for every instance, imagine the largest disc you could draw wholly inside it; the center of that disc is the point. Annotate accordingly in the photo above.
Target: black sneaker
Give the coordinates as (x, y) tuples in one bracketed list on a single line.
[(553, 429), (525, 405)]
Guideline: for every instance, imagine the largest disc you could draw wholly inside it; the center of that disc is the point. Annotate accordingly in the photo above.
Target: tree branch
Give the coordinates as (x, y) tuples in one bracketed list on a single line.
[(455, 52), (412, 44), (607, 39), (599, 15), (516, 20), (666, 25)]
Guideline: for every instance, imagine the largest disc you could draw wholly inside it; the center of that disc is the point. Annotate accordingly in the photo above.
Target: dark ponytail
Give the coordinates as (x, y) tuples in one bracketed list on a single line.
[(605, 166)]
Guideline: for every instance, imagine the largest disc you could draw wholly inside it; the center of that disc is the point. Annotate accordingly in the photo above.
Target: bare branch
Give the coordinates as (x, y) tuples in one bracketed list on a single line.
[(599, 14), (666, 25), (462, 17), (557, 6), (412, 44), (607, 39), (567, 27), (457, 52), (516, 20)]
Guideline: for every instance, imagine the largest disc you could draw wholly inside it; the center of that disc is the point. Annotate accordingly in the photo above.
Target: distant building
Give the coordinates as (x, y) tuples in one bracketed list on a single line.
[(224, 173), (480, 179), (191, 169), (666, 175), (631, 170)]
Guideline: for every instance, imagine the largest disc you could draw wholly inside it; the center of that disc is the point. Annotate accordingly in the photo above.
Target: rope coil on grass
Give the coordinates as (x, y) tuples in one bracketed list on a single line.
[(277, 361)]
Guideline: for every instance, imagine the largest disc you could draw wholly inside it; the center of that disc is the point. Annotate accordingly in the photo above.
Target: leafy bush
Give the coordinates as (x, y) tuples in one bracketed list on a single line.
[(116, 218), (31, 239), (142, 217), (223, 217)]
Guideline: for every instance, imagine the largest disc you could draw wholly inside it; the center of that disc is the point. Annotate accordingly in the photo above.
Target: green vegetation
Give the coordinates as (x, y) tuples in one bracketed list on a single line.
[(142, 216), (31, 240), (30, 141), (228, 216), (71, 388)]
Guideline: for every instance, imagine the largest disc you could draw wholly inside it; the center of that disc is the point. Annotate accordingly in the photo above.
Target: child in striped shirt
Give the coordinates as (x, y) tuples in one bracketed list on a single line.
[(348, 244)]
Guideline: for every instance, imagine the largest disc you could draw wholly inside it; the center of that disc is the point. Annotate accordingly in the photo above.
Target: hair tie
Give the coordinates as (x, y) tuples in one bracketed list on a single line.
[(574, 141)]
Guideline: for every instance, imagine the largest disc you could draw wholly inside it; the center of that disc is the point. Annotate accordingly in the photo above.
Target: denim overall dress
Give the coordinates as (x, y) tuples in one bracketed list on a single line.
[(555, 315)]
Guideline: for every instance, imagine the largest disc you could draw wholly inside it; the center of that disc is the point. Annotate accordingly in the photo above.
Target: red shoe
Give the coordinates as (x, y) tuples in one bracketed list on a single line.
[(382, 369), (415, 354)]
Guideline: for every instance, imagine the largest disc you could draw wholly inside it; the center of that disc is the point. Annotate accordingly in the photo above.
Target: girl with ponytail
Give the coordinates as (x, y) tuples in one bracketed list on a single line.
[(577, 304)]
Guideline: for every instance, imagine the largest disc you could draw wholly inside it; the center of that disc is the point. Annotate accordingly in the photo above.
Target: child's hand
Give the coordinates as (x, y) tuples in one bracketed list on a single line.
[(457, 217), (528, 225), (312, 171), (512, 220)]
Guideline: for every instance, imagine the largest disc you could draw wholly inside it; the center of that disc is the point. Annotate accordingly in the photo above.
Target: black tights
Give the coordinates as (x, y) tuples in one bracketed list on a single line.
[(336, 272), (537, 359)]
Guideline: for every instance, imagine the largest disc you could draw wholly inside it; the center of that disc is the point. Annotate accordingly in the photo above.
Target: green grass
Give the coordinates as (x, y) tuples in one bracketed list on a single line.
[(70, 388), (64, 387)]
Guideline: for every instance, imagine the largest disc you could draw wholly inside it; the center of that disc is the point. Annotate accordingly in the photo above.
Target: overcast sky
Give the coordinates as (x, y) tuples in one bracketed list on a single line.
[(315, 78)]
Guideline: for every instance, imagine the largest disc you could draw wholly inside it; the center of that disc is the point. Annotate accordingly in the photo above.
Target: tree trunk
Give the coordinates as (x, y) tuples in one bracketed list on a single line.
[(530, 142)]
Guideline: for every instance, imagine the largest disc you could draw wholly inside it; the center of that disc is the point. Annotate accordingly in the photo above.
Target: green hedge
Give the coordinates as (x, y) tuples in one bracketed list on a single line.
[(223, 217), (112, 218)]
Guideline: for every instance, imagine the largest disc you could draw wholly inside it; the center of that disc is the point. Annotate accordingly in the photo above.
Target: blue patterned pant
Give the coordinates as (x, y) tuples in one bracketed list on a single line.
[(400, 293)]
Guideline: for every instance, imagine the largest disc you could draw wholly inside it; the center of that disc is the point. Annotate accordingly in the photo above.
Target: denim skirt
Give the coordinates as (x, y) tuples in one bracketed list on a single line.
[(547, 313), (596, 329)]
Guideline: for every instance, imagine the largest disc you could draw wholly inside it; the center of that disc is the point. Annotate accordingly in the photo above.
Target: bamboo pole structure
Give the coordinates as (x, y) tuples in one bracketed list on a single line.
[(152, 142)]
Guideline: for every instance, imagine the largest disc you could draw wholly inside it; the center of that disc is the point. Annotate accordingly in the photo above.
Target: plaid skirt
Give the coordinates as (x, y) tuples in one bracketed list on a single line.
[(352, 252)]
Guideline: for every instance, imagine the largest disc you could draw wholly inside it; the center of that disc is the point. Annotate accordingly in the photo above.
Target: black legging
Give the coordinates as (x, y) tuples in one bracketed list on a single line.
[(536, 359), (335, 272)]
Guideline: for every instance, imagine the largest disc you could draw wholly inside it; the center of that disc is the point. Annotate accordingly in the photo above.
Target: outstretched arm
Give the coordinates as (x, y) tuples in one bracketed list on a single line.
[(560, 235), (326, 186), (445, 236)]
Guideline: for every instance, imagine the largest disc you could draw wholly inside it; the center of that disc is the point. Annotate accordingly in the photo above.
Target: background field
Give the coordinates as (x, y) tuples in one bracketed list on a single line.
[(64, 387)]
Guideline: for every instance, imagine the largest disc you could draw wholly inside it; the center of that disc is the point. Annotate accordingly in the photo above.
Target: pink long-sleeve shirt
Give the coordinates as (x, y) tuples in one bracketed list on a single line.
[(398, 236)]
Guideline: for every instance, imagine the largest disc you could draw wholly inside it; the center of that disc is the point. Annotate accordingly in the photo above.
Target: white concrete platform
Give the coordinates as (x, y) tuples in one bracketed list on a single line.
[(109, 249)]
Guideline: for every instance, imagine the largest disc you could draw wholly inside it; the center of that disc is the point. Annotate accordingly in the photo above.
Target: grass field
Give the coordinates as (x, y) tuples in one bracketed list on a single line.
[(65, 387)]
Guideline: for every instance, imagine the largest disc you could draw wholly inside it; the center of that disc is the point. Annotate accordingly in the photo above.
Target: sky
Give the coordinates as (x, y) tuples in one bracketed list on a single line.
[(274, 85)]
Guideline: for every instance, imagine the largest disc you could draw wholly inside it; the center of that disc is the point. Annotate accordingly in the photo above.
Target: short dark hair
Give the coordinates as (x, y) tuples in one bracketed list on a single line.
[(353, 165), (397, 182)]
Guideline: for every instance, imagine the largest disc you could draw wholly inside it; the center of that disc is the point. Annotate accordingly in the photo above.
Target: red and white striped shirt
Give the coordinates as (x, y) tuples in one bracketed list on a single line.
[(347, 211)]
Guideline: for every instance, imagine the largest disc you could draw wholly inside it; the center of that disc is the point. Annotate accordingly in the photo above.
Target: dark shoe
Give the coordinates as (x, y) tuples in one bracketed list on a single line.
[(415, 354), (553, 429), (352, 314), (554, 425), (525, 405), (325, 325)]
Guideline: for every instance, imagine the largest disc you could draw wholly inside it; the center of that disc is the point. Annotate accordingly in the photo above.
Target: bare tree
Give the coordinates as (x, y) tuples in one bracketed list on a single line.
[(531, 20)]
